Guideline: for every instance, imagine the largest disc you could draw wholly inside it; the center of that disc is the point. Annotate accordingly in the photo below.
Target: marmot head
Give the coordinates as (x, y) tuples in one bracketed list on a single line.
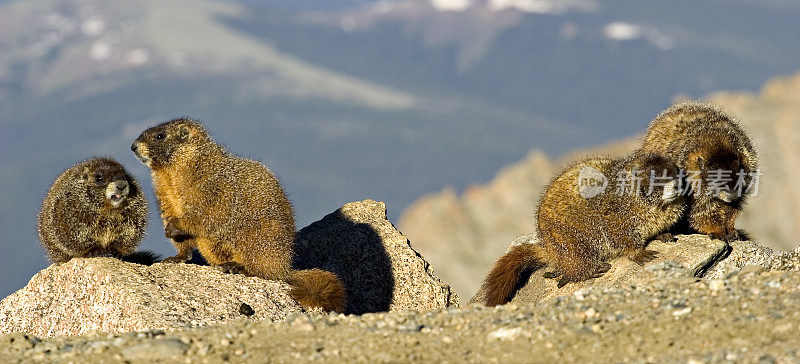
[(717, 166), (104, 183), (157, 146), (660, 182)]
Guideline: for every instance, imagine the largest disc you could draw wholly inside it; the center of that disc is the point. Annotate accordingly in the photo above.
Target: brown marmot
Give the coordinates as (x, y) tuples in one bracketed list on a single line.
[(94, 208), (232, 209), (718, 159), (596, 210)]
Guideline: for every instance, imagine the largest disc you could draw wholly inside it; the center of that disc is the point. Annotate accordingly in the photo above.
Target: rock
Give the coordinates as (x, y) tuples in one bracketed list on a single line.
[(694, 252), (108, 295), (375, 261), (716, 284), (748, 253), (787, 260), (743, 253), (524, 239), (505, 334), (666, 317), (380, 269)]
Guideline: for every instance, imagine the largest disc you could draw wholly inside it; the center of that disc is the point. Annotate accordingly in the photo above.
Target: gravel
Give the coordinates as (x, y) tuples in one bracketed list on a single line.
[(667, 316)]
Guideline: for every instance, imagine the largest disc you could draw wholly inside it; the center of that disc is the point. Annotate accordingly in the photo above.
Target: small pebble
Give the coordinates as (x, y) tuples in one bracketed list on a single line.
[(505, 334), (716, 284), (246, 310), (681, 311)]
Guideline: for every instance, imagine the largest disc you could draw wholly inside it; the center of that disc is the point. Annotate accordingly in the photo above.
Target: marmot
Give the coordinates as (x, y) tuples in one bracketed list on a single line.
[(232, 209), (596, 210), (712, 148), (94, 208)]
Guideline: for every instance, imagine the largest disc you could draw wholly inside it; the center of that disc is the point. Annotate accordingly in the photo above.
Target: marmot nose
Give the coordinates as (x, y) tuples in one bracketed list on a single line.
[(121, 185), (134, 147)]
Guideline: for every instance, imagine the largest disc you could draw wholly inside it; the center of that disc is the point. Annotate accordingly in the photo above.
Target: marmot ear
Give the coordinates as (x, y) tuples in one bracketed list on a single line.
[(85, 174), (183, 133)]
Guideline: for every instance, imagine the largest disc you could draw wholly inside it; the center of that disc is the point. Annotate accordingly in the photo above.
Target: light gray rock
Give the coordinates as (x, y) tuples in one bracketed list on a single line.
[(787, 260), (380, 269), (748, 253), (108, 295), (531, 238)]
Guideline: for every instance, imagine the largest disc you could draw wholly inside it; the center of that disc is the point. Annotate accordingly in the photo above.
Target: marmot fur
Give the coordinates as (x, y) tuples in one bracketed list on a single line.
[(700, 139), (232, 209), (582, 226), (94, 208)]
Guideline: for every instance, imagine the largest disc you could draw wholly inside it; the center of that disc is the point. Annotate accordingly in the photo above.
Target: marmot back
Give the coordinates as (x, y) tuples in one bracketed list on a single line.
[(94, 208), (718, 159), (232, 209), (585, 218)]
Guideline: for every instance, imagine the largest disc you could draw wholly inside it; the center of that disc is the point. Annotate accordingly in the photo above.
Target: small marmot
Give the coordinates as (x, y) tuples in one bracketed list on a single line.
[(232, 209), (94, 208), (718, 159), (584, 221)]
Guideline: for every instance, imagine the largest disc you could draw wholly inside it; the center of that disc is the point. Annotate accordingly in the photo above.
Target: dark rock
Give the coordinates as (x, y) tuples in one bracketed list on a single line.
[(380, 269)]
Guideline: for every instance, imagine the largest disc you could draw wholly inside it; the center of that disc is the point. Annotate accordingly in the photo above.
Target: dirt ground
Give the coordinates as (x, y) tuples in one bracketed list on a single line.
[(667, 316)]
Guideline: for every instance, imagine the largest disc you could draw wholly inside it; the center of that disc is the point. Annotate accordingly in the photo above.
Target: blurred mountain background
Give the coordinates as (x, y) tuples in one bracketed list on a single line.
[(389, 100)]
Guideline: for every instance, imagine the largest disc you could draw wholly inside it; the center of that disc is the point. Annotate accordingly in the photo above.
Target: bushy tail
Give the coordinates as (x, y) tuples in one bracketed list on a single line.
[(144, 257), (504, 279), (313, 288)]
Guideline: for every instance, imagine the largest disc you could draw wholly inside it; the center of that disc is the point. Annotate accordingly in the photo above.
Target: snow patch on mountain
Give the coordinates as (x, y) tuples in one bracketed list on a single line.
[(451, 5), (543, 6), (623, 31)]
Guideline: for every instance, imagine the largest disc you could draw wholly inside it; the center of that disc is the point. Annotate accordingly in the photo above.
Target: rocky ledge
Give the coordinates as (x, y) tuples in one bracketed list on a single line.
[(664, 315), (380, 270)]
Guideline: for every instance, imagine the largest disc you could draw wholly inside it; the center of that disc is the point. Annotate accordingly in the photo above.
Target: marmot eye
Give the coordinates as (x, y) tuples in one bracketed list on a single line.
[(98, 178), (161, 136)]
